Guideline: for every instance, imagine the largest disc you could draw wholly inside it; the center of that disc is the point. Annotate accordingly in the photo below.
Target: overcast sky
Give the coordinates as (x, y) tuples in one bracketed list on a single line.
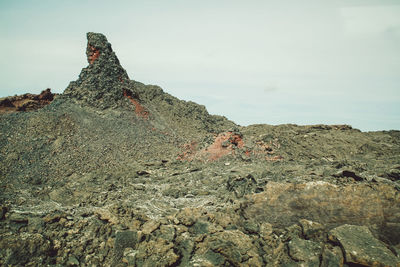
[(274, 62)]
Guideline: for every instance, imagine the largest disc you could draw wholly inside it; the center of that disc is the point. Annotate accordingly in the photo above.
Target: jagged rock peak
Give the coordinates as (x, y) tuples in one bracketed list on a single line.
[(96, 42), (99, 50), (101, 84)]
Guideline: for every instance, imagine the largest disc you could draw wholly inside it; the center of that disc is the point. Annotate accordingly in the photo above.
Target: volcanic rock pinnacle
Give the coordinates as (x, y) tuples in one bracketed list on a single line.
[(100, 84)]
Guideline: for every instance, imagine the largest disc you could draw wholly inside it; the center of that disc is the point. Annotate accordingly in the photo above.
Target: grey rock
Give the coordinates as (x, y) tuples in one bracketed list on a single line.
[(124, 239), (332, 257), (200, 227), (305, 251), (361, 247), (251, 227), (101, 84), (129, 256), (167, 232), (150, 226), (312, 230)]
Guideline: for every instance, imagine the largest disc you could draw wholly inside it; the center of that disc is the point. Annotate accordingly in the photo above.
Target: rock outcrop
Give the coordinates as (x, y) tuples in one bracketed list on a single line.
[(26, 102), (373, 205), (361, 247), (101, 84)]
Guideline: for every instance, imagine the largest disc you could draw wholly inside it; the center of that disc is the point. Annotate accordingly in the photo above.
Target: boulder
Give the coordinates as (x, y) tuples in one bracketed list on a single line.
[(361, 247)]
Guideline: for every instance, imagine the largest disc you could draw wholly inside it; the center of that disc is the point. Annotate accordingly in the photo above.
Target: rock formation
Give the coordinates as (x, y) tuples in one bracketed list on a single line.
[(117, 173), (26, 102), (101, 84)]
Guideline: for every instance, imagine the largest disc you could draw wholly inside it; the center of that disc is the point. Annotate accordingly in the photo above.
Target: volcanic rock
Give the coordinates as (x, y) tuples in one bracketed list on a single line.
[(305, 251), (26, 102), (114, 172), (101, 84), (361, 247)]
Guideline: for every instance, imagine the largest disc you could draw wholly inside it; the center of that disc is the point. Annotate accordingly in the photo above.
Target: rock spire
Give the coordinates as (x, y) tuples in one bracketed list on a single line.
[(101, 84)]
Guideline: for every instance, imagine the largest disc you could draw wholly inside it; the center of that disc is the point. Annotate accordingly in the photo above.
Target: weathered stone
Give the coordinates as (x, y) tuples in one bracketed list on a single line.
[(95, 152), (332, 257), (102, 83), (200, 227), (129, 256), (124, 239), (106, 215), (266, 230), (361, 247), (284, 204), (24, 249), (167, 232), (251, 227), (156, 253), (312, 230), (26, 102), (185, 246), (54, 217), (35, 224), (293, 232), (233, 247), (150, 226), (188, 216), (305, 250)]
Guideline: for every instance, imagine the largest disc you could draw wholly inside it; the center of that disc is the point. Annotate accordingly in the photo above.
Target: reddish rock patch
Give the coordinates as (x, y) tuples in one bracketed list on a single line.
[(26, 102), (224, 144), (230, 143), (139, 109), (189, 151), (93, 53)]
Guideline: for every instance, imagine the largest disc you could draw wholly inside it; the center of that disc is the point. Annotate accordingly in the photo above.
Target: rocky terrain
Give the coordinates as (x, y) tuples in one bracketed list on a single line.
[(117, 173)]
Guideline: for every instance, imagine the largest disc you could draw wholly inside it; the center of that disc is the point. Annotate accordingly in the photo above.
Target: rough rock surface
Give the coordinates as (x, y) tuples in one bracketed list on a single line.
[(26, 102), (117, 173), (101, 84), (361, 247)]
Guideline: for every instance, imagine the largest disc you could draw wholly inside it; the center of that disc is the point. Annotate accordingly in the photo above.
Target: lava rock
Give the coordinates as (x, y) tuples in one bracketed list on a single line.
[(361, 247), (102, 83), (332, 257), (305, 251), (124, 239)]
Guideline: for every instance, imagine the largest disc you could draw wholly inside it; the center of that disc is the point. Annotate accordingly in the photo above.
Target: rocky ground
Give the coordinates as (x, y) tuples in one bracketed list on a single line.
[(117, 173)]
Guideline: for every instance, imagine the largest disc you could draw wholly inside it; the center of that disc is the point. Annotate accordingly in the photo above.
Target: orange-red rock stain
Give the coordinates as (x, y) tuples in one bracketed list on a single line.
[(217, 149), (94, 53), (139, 109)]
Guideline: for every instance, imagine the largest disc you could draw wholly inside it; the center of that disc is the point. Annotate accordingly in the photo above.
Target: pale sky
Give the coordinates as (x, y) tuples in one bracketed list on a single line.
[(274, 62)]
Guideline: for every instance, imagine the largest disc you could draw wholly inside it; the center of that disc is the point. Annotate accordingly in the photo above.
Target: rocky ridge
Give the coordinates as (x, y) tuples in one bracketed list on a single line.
[(117, 173), (26, 102)]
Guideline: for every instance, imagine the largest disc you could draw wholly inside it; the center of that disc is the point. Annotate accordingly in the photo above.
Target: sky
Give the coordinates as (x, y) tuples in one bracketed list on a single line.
[(274, 62)]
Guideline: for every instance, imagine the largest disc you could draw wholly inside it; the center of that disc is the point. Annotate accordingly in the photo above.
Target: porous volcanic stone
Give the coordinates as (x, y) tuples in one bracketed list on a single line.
[(361, 247), (305, 251)]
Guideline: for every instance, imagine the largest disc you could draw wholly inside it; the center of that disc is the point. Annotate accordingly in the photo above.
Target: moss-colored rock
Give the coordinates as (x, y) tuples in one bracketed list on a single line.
[(305, 251), (156, 253), (332, 257), (361, 247)]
